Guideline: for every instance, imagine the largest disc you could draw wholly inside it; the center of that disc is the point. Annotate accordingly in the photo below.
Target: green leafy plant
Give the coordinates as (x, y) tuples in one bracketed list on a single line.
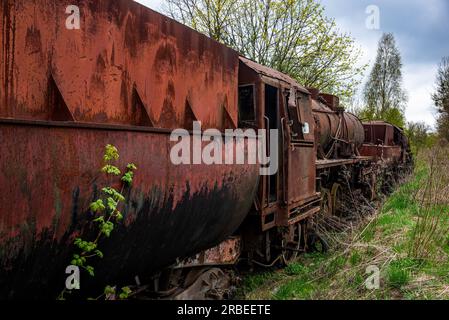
[(399, 273), (106, 216), (110, 293)]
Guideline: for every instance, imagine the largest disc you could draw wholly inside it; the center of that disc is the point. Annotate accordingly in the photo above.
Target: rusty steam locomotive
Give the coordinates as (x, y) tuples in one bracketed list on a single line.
[(129, 76)]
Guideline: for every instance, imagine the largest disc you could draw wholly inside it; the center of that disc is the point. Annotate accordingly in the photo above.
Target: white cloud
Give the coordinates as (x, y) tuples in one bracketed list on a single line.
[(431, 12), (419, 80)]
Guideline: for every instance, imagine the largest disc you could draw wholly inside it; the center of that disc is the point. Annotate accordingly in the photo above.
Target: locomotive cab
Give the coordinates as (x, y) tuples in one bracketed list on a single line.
[(271, 100)]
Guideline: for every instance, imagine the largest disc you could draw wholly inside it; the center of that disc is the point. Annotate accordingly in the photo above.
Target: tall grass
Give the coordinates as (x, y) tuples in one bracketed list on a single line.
[(407, 239), (430, 233)]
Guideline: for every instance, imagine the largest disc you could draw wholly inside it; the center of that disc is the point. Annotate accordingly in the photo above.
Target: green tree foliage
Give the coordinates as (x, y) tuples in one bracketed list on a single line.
[(385, 98), (211, 17), (420, 135), (292, 36), (443, 126), (441, 98)]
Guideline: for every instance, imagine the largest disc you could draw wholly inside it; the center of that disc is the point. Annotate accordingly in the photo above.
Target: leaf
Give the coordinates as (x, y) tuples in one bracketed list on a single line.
[(112, 205), (90, 270), (128, 177), (109, 290), (119, 216), (110, 169), (114, 194), (126, 291), (77, 261), (107, 228), (97, 206), (99, 219), (111, 153), (99, 254), (85, 246)]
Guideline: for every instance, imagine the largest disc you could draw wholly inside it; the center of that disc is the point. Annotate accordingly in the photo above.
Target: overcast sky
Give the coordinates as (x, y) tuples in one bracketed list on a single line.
[(421, 28)]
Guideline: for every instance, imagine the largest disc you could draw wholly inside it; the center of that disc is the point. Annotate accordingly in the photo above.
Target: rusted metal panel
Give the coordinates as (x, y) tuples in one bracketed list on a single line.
[(387, 142), (272, 73), (332, 101), (379, 133), (379, 152), (126, 65), (226, 253), (49, 174), (300, 174), (127, 77), (338, 133), (295, 183)]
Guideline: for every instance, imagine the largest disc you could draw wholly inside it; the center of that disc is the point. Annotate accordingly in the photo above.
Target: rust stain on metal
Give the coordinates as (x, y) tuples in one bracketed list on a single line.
[(226, 253), (121, 52), (127, 77), (384, 141), (338, 133), (283, 104)]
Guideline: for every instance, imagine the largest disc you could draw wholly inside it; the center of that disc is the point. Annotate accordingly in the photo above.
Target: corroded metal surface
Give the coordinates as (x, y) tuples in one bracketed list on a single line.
[(379, 133), (338, 133), (272, 73), (126, 65), (383, 153), (385, 142), (127, 77), (284, 198), (173, 211), (226, 253)]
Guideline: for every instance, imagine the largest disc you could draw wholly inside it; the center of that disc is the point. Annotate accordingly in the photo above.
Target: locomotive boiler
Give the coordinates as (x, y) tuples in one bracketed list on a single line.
[(338, 133)]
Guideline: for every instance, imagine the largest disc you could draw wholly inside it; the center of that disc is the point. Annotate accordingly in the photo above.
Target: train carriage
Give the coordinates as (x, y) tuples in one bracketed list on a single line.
[(129, 76)]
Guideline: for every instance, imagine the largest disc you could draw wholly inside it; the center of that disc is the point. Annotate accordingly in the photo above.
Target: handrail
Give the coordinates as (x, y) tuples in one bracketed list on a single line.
[(267, 137), (284, 188)]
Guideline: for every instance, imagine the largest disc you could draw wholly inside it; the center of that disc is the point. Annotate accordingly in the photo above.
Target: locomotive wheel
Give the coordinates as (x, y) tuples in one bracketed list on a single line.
[(291, 240), (210, 284)]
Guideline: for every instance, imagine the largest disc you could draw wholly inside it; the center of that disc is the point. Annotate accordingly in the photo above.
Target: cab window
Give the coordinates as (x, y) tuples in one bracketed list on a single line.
[(247, 112)]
